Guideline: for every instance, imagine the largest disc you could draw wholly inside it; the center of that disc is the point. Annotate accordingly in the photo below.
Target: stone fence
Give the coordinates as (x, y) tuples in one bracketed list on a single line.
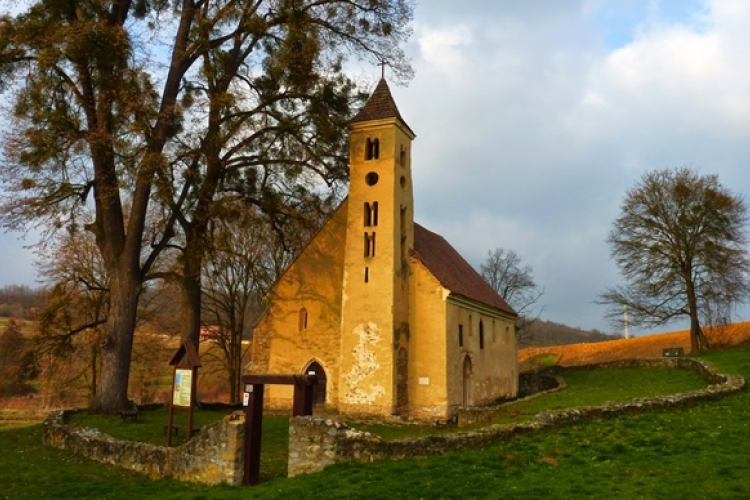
[(530, 385), (213, 456), (315, 443)]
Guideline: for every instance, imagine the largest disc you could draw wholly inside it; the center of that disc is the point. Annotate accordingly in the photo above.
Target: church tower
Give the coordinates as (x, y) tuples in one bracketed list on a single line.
[(379, 233)]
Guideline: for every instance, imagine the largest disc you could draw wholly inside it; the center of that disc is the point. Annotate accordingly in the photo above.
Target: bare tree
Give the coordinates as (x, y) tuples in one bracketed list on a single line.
[(515, 283), (72, 321), (245, 258), (681, 245)]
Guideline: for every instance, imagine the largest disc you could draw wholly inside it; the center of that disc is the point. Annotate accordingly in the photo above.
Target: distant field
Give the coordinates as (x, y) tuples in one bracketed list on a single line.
[(29, 327), (735, 335)]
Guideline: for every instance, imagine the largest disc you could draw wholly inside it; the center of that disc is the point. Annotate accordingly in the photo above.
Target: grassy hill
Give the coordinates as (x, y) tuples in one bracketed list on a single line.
[(543, 333), (695, 452)]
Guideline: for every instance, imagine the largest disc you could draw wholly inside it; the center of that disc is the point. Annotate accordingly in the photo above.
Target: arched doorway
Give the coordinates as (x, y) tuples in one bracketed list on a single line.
[(467, 382), (320, 390)]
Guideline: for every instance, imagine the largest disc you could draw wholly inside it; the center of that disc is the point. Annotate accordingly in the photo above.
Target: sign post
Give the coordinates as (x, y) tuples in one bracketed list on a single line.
[(184, 386)]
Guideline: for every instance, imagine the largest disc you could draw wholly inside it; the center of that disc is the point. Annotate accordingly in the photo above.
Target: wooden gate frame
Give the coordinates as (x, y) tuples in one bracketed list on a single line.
[(253, 406)]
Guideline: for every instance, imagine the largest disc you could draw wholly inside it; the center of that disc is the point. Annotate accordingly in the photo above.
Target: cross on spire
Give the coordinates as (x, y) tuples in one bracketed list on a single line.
[(383, 63)]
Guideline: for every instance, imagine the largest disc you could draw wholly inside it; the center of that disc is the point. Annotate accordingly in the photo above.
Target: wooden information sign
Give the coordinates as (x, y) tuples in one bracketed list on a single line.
[(184, 385)]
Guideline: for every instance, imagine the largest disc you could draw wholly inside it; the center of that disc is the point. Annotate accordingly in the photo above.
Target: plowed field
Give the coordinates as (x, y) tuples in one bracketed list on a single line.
[(735, 335)]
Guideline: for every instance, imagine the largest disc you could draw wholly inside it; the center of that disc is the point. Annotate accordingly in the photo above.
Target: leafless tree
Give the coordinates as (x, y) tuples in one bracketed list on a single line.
[(515, 283), (245, 258), (681, 245)]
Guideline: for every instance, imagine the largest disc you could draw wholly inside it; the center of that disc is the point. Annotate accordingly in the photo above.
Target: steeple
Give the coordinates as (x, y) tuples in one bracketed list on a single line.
[(380, 231), (380, 106)]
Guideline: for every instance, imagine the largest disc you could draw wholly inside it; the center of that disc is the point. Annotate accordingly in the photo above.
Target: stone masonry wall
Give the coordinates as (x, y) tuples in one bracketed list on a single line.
[(529, 388), (213, 456), (315, 443)]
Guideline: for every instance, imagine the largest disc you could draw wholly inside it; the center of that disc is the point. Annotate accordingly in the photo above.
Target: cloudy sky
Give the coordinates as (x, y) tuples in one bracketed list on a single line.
[(533, 118)]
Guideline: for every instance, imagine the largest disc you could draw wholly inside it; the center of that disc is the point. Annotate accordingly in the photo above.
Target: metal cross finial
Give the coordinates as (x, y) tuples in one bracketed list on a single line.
[(383, 63)]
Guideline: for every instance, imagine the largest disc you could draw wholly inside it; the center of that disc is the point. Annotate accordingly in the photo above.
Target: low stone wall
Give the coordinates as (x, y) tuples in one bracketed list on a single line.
[(213, 456), (533, 385), (315, 443)]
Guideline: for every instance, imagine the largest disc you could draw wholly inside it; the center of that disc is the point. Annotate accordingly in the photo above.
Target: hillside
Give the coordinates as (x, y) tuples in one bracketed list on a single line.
[(546, 333), (737, 334)]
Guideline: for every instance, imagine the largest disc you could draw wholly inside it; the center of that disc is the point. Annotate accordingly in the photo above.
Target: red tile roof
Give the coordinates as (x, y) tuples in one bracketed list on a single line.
[(380, 106), (452, 271)]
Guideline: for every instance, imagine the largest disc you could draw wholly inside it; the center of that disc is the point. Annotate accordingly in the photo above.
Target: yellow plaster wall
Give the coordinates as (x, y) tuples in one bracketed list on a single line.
[(495, 368), (313, 281), (428, 396)]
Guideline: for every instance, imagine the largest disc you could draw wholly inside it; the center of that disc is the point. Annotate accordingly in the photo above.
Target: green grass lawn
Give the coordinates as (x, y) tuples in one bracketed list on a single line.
[(585, 388), (695, 452)]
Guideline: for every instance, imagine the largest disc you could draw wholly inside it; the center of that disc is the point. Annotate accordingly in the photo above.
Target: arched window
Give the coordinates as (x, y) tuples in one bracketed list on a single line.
[(481, 334), (302, 319), (372, 149)]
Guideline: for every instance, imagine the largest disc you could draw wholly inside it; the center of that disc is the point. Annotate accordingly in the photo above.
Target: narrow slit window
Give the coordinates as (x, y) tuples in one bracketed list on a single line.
[(402, 156), (367, 275), (374, 213), (370, 244), (460, 335), (302, 319), (368, 215), (481, 334)]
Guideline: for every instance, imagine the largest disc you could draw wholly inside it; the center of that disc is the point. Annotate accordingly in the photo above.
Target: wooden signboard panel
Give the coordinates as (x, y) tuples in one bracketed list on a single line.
[(184, 386)]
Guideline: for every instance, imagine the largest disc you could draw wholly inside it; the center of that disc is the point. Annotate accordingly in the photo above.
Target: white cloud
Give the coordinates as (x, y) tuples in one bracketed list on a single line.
[(443, 49)]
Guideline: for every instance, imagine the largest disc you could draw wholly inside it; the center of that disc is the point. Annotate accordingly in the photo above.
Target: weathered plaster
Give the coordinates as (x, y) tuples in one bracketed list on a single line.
[(365, 366)]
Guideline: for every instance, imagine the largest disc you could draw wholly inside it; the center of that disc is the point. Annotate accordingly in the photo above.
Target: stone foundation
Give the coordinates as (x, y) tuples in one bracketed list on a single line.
[(213, 456), (315, 443)]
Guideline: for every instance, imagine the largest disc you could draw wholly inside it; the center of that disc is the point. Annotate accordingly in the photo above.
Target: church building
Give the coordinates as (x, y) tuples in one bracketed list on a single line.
[(387, 313)]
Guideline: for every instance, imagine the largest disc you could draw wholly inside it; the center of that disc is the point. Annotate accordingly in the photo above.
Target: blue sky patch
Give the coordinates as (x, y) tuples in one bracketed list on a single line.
[(619, 20)]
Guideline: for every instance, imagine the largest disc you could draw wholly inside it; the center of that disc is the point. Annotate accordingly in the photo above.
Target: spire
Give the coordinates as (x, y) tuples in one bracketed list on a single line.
[(380, 106)]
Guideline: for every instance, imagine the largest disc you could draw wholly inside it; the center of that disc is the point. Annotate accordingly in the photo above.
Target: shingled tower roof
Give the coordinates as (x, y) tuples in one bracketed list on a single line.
[(380, 106), (452, 271)]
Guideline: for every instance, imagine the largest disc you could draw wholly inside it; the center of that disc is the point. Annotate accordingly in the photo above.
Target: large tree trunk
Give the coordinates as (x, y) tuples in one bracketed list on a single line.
[(117, 344), (235, 365), (190, 328), (698, 341)]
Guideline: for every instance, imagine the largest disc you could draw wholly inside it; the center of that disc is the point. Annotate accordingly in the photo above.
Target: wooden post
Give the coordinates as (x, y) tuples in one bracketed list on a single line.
[(303, 400), (302, 406), (170, 422), (253, 432)]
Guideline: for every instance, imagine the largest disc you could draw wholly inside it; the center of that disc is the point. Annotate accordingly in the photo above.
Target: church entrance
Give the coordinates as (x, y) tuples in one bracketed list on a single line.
[(467, 381), (320, 389)]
